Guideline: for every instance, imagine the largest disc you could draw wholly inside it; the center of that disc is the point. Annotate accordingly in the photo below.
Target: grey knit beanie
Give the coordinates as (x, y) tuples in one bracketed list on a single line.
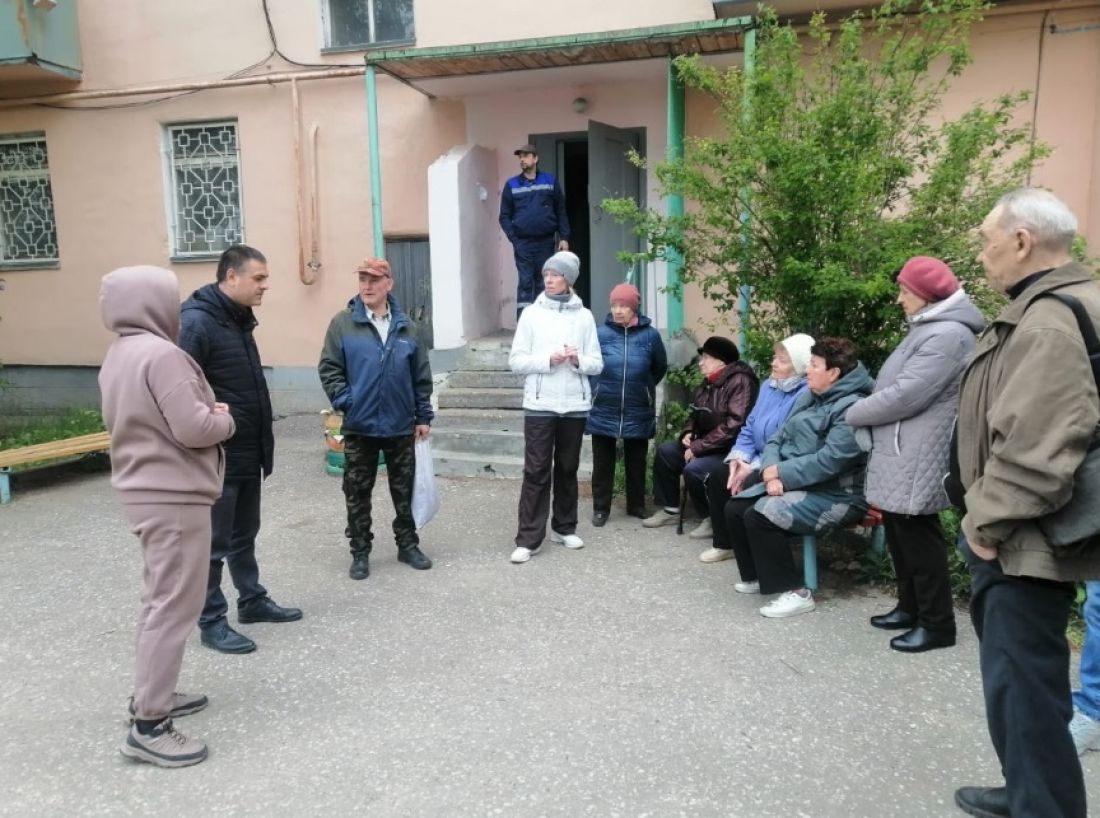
[(565, 264)]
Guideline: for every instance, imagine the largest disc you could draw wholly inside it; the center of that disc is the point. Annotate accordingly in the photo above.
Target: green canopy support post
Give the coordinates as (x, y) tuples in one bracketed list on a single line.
[(744, 292), (375, 161), (674, 203)]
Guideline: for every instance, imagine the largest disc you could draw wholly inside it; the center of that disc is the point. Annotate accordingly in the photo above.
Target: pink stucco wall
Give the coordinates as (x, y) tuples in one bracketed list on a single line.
[(107, 167)]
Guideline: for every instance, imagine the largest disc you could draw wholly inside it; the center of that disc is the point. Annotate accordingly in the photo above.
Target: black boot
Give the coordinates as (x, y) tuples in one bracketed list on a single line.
[(599, 518), (265, 609), (414, 557), (224, 639), (897, 619), (360, 567), (984, 802), (921, 639)]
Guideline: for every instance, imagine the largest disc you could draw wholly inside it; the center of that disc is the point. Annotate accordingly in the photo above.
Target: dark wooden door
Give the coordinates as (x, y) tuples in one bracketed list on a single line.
[(412, 281)]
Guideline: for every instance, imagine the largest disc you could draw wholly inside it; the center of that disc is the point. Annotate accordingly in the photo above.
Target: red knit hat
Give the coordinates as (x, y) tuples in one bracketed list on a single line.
[(626, 294), (928, 278)]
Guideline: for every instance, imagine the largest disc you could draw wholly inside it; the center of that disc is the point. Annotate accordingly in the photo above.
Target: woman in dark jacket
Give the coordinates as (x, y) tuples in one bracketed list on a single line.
[(624, 401), (719, 408)]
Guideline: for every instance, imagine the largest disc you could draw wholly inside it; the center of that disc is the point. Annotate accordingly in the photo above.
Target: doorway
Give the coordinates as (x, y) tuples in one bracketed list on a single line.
[(592, 166)]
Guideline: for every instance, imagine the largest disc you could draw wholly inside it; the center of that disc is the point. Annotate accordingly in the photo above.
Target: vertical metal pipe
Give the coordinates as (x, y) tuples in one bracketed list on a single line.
[(674, 203), (375, 161), (744, 292)]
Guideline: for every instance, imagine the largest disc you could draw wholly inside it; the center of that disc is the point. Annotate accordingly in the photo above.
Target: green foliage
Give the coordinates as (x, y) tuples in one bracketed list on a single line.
[(830, 170), (73, 423), (676, 413)]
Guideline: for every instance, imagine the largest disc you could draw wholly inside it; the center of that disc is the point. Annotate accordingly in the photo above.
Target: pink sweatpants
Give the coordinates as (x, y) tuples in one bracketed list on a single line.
[(175, 547)]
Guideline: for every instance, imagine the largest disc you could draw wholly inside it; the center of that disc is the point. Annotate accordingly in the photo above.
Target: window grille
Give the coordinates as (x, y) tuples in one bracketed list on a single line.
[(351, 23), (204, 169), (28, 231)]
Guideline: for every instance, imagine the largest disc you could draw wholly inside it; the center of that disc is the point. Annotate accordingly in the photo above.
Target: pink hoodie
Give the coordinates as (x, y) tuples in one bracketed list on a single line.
[(165, 437)]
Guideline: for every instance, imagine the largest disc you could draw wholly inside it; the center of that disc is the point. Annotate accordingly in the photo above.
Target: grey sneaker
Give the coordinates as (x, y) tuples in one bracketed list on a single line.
[(1085, 732), (183, 704), (661, 518), (165, 746)]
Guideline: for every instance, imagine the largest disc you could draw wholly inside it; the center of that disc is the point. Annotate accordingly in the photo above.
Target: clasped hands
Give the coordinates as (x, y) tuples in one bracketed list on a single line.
[(566, 353)]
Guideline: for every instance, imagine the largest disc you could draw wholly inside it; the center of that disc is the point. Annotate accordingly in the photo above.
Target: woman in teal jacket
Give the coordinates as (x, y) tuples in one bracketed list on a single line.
[(810, 480)]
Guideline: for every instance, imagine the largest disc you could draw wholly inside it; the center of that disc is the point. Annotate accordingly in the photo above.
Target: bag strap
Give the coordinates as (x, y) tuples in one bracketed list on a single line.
[(1084, 325)]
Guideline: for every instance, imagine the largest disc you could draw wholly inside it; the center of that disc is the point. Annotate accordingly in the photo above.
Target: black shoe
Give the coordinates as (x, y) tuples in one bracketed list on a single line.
[(415, 558), (360, 567), (984, 802), (897, 619), (636, 512), (264, 609), (921, 639), (599, 518), (224, 639)]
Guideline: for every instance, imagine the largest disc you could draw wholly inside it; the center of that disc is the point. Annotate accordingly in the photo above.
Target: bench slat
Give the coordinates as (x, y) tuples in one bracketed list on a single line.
[(97, 441)]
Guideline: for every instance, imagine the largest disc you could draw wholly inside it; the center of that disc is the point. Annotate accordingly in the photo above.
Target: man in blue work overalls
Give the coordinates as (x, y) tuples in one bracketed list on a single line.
[(532, 211)]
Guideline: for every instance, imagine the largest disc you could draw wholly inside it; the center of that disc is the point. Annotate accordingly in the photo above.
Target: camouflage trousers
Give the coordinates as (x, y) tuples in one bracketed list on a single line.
[(360, 471)]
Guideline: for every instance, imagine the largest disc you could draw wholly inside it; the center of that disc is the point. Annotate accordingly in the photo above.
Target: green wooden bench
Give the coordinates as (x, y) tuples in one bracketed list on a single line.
[(54, 450)]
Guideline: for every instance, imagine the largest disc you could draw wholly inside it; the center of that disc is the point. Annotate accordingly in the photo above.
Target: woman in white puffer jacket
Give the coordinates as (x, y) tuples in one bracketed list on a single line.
[(557, 348)]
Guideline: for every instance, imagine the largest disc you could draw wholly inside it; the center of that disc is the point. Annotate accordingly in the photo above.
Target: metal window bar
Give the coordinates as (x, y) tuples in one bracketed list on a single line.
[(204, 161), (28, 229)]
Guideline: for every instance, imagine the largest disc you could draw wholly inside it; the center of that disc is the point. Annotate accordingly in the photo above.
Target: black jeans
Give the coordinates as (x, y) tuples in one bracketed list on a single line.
[(603, 472), (553, 453), (919, 551), (762, 549), (1021, 627), (234, 522), (668, 465), (360, 473)]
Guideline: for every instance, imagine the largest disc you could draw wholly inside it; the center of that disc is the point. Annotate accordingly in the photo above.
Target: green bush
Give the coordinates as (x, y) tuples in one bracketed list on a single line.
[(72, 423)]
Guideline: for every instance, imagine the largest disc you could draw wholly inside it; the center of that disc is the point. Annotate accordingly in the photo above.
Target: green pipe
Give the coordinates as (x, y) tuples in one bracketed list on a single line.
[(674, 203), (375, 162), (744, 292)]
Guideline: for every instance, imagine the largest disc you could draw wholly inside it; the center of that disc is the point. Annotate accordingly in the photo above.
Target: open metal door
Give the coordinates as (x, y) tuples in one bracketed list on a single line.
[(610, 175)]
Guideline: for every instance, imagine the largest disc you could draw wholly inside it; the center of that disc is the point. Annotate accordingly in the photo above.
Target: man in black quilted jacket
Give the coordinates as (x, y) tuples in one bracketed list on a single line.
[(216, 325)]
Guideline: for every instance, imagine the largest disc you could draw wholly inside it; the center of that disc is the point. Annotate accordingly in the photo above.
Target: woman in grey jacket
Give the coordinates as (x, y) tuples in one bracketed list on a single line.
[(911, 414)]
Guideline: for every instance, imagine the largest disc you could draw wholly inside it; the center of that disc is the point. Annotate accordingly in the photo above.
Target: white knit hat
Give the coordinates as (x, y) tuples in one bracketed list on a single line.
[(798, 348)]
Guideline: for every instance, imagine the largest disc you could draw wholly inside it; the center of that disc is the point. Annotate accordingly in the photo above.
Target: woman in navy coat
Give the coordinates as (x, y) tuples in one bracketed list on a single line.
[(624, 401)]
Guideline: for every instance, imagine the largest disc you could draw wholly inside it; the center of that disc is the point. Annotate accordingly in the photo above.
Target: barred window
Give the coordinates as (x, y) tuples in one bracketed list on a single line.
[(351, 23), (204, 171), (28, 232)]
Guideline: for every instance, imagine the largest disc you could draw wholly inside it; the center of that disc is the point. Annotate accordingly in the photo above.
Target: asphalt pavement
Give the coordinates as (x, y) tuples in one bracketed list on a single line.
[(622, 679)]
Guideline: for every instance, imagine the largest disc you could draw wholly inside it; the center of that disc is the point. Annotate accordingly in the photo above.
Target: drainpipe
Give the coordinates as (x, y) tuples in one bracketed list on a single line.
[(744, 292), (674, 203), (375, 162)]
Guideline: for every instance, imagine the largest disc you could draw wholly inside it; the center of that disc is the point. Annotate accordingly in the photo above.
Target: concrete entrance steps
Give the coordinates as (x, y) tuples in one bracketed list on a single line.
[(478, 427)]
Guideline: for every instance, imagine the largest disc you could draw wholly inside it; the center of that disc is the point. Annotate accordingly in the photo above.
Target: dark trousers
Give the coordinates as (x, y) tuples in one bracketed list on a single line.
[(669, 465), (530, 255), (360, 472), (1021, 627), (919, 551), (717, 495), (234, 523), (603, 472), (551, 458), (762, 549)]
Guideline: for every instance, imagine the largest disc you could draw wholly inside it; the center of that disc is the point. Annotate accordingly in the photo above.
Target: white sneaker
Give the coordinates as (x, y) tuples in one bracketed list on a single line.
[(1085, 732), (568, 540), (788, 604), (522, 554), (702, 531), (716, 555), (661, 518), (747, 587)]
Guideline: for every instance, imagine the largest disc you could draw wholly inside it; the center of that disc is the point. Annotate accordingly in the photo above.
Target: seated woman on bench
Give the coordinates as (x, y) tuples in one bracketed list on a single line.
[(810, 480)]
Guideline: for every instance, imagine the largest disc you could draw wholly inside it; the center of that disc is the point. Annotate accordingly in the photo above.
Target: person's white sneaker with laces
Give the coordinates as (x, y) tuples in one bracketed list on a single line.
[(716, 555), (522, 554), (164, 746), (788, 604), (702, 531), (747, 587), (568, 540), (1085, 732)]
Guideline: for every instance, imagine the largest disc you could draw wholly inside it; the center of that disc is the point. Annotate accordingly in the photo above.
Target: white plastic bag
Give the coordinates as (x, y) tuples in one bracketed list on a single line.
[(426, 499)]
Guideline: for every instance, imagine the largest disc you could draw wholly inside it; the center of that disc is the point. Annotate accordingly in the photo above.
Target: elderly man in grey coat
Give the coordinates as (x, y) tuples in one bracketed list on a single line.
[(911, 414)]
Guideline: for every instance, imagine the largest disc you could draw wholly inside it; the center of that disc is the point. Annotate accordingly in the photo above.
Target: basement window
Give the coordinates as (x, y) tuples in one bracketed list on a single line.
[(28, 230), (204, 179), (353, 24)]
